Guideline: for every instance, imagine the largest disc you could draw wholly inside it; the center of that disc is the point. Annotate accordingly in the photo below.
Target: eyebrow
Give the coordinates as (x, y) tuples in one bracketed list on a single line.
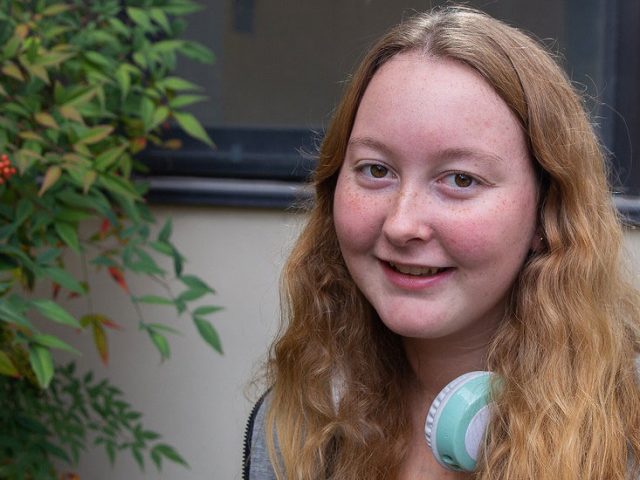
[(443, 156), (471, 153), (370, 143)]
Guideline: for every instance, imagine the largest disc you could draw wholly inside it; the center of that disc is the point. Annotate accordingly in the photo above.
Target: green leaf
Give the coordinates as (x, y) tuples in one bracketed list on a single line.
[(72, 215), (95, 134), (208, 333), (51, 341), (55, 9), (47, 256), (100, 341), (17, 255), (167, 46), (178, 262), (195, 283), (12, 70), (10, 314), (31, 425), (159, 116), (141, 59), (182, 8), (167, 451), (117, 186), (80, 97), (38, 71), (154, 300), (161, 343), (110, 447), (186, 100), (192, 126), (42, 364), (120, 27), (46, 120), (198, 52), (150, 435), (124, 81), (147, 107), (162, 247), (68, 234), (55, 312), (64, 278), (88, 180), (191, 294), (50, 178), (137, 455), (162, 328), (178, 84), (165, 233), (56, 451), (137, 260), (206, 310), (23, 211), (54, 59), (71, 113), (7, 367), (109, 157), (139, 16), (181, 305), (11, 47), (99, 59), (158, 15)]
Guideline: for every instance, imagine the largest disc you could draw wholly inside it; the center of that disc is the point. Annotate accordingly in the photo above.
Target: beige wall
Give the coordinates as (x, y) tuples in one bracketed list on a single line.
[(197, 399)]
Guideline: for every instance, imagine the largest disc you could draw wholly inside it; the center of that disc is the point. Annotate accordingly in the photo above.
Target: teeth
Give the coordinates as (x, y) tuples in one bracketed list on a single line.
[(417, 271)]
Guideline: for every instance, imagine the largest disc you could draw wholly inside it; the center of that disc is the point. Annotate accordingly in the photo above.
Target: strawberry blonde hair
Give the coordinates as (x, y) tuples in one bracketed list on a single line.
[(569, 403)]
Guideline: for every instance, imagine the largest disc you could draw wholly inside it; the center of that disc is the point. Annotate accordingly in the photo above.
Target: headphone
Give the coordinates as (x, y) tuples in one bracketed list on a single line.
[(457, 421)]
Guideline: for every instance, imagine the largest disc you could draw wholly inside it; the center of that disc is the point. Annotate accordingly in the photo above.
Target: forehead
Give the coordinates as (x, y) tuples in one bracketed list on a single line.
[(417, 99)]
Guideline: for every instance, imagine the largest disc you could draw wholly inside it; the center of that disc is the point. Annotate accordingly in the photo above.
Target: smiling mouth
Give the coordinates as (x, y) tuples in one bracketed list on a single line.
[(417, 271)]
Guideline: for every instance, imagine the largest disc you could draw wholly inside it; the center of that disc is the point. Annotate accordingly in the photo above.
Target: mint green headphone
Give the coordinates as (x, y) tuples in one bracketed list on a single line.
[(457, 421)]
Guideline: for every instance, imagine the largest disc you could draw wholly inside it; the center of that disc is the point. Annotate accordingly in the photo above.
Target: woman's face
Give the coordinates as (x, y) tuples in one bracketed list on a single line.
[(435, 205)]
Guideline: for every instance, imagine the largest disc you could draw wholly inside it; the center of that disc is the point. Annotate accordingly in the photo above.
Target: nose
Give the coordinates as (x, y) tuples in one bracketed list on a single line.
[(407, 220)]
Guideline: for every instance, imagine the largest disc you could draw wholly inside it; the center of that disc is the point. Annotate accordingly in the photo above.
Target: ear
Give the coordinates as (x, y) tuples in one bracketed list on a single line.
[(537, 241)]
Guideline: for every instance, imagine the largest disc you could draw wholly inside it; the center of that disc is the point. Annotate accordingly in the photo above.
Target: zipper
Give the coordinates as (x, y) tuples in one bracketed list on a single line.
[(248, 434)]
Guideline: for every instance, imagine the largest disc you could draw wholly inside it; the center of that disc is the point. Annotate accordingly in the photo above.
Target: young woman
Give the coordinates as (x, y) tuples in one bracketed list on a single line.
[(462, 221)]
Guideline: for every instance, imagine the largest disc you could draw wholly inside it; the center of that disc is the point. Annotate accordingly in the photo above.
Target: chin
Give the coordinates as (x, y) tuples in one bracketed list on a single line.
[(423, 330)]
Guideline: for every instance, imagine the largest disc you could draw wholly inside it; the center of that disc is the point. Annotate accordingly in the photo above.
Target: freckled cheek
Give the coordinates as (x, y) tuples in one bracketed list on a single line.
[(356, 217), (466, 239), (487, 234)]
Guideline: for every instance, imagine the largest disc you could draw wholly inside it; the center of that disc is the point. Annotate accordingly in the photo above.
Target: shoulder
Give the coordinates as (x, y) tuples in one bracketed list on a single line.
[(256, 465)]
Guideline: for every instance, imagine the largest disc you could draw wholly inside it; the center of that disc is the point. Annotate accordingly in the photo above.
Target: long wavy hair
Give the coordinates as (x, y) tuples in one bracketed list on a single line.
[(568, 406)]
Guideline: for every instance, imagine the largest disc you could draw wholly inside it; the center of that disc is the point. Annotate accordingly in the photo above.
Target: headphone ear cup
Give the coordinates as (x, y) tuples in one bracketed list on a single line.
[(457, 421)]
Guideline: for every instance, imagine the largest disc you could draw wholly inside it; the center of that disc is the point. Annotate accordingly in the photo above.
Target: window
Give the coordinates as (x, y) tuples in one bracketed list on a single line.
[(281, 66)]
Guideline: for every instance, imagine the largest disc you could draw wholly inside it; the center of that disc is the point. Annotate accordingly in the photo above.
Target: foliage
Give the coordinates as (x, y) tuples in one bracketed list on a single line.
[(40, 425), (85, 85)]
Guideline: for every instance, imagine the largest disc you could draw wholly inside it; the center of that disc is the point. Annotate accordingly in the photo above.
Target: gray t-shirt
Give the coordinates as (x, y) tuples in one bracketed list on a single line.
[(257, 465)]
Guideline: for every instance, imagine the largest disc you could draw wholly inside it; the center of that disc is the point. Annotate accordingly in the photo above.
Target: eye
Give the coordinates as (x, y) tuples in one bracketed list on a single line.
[(460, 180), (376, 170)]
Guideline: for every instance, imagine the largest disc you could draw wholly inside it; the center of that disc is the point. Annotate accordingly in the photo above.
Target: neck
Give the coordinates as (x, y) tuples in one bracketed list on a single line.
[(435, 362)]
